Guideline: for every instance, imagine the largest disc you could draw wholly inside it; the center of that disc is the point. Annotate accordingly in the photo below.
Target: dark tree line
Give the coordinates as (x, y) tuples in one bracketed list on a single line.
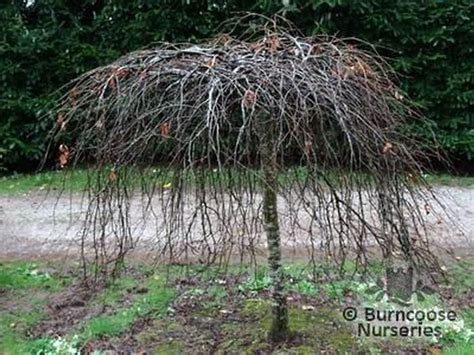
[(46, 43)]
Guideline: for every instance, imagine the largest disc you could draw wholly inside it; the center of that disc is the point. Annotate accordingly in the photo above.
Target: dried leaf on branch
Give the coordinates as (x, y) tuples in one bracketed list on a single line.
[(63, 155), (335, 111)]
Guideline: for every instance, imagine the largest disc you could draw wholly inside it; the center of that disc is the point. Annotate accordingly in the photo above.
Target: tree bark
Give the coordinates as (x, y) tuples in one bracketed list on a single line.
[(268, 161)]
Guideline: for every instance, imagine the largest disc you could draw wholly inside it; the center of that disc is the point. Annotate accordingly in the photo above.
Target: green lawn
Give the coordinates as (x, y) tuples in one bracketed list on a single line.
[(79, 179), (55, 180)]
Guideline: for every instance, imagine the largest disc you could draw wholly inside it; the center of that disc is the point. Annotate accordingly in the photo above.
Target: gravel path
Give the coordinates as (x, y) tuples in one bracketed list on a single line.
[(39, 224)]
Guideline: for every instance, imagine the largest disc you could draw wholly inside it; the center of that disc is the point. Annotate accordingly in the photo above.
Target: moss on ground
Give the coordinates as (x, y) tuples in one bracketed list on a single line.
[(178, 310)]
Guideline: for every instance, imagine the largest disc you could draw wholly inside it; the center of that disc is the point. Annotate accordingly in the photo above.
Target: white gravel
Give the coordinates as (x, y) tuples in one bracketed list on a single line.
[(38, 224)]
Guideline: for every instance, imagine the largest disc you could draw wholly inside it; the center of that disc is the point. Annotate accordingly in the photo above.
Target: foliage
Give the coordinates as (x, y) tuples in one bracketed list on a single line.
[(58, 346), (45, 45)]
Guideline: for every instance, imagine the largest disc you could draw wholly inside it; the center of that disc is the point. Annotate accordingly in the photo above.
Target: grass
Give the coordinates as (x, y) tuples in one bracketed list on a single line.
[(44, 181), (77, 180), (113, 293), (451, 180), (25, 288), (193, 309), (22, 275), (462, 273), (155, 303), (14, 327)]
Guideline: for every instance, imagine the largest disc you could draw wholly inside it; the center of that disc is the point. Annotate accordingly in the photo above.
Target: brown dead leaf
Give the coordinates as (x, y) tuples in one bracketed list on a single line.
[(348, 72), (308, 146), (73, 96), (60, 121), (165, 129), (223, 39), (250, 98), (122, 73), (211, 63), (113, 176), (387, 148), (96, 89), (63, 155), (143, 75), (274, 43), (111, 82), (316, 49), (362, 69), (257, 46), (414, 177)]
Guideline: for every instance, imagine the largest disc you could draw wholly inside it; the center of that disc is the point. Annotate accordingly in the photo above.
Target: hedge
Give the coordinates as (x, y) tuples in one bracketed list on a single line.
[(49, 42)]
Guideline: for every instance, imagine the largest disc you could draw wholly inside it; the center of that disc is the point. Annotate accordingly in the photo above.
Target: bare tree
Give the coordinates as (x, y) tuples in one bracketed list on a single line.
[(316, 122)]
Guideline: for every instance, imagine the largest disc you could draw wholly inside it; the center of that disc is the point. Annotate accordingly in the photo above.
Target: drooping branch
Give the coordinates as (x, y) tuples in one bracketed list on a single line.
[(350, 179)]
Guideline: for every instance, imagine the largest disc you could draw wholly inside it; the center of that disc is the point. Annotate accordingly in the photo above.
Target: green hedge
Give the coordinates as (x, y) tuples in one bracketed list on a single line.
[(45, 45)]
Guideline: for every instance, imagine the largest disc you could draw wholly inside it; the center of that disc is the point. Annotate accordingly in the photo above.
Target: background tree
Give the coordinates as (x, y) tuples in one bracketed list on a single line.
[(429, 43)]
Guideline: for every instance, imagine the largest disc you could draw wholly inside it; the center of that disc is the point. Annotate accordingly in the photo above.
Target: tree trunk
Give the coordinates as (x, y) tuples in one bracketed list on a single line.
[(279, 329)]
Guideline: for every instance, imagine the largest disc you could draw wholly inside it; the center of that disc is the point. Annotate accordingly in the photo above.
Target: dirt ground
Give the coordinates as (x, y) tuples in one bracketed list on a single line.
[(40, 224), (200, 312)]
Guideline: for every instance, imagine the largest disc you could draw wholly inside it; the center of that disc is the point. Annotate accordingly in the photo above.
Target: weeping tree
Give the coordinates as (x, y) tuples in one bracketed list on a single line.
[(299, 139)]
